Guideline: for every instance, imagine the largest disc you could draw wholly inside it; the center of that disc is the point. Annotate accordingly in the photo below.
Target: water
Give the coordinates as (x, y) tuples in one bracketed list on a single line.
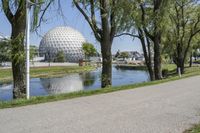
[(76, 82)]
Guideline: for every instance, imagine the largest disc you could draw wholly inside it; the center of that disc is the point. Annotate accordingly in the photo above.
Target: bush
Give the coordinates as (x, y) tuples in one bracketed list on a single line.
[(60, 57), (165, 72)]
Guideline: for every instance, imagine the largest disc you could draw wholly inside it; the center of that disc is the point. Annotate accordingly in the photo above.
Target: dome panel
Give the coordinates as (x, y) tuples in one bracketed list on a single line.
[(63, 39)]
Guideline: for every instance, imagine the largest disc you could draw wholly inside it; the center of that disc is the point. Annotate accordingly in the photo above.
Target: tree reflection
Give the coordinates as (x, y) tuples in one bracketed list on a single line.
[(88, 78)]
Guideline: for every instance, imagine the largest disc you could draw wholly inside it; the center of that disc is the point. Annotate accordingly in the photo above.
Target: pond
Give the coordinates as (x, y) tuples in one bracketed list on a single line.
[(76, 82)]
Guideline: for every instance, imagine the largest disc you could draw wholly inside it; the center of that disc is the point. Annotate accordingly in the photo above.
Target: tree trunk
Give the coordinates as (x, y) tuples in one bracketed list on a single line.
[(191, 60), (106, 78), (179, 58), (180, 64), (147, 55), (18, 61), (157, 58)]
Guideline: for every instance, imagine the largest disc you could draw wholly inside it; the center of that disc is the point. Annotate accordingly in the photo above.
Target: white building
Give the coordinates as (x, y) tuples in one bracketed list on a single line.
[(64, 39)]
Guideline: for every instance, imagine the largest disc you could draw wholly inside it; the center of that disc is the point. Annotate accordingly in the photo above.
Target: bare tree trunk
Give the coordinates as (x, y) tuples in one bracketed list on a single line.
[(180, 64), (107, 35), (147, 55), (103, 32), (179, 59), (150, 66), (18, 62), (107, 64), (157, 58), (191, 59)]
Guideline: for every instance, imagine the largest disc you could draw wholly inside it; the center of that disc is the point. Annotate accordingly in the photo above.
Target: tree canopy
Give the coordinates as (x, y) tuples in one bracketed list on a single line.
[(89, 50)]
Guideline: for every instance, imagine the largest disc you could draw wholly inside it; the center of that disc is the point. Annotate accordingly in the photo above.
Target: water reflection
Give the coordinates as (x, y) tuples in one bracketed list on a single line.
[(88, 78), (76, 82), (66, 84)]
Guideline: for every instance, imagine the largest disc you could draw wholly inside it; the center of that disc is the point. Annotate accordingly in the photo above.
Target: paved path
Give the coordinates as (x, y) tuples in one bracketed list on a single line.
[(166, 108)]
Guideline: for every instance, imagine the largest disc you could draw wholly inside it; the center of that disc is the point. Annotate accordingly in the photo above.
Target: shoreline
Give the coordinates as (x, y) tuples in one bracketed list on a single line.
[(194, 71), (45, 72)]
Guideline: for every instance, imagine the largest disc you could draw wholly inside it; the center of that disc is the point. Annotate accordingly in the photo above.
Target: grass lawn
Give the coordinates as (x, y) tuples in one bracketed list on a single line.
[(6, 74), (169, 67), (194, 129), (42, 99)]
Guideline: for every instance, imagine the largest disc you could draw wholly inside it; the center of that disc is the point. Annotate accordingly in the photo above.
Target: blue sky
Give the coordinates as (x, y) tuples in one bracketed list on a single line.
[(74, 19)]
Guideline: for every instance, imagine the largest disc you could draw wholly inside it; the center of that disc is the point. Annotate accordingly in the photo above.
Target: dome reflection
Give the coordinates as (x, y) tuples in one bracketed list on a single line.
[(65, 84)]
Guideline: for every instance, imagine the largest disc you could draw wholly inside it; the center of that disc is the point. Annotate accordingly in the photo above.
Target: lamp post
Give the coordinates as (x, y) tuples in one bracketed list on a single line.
[(29, 4), (28, 8)]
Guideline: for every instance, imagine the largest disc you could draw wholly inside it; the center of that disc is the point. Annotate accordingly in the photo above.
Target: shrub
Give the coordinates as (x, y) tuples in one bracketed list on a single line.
[(60, 57), (165, 72)]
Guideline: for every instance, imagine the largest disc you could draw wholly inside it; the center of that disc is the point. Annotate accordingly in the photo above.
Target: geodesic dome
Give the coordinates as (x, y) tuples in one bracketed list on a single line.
[(63, 39)]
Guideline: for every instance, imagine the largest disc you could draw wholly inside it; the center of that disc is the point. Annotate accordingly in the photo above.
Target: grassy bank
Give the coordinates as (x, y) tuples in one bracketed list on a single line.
[(57, 71), (194, 129), (131, 67), (42, 99)]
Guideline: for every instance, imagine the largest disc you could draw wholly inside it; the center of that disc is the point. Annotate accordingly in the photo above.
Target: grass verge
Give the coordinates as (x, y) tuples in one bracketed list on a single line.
[(194, 129), (42, 72), (42, 99)]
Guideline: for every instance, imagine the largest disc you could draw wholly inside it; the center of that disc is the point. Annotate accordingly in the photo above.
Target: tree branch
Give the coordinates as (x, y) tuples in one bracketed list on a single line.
[(112, 20), (7, 11), (43, 13), (92, 25), (126, 34), (21, 8), (143, 23)]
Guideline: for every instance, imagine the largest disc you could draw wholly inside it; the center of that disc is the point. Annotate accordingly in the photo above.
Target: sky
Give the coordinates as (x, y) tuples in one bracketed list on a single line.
[(72, 18)]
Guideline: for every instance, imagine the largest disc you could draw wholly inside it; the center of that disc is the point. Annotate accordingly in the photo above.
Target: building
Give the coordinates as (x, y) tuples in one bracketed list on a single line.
[(63, 39), (4, 38), (129, 56), (1, 38)]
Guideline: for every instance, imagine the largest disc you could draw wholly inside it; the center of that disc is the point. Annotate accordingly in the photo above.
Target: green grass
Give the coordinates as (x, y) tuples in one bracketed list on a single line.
[(194, 129), (5, 75), (197, 61), (57, 71), (169, 67), (42, 99)]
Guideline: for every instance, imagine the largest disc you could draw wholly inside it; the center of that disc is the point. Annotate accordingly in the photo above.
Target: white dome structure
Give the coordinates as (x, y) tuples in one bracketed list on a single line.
[(63, 39)]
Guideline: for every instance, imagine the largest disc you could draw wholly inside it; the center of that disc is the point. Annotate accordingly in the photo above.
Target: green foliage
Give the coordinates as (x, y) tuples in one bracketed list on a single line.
[(17, 49), (33, 52), (183, 27), (89, 50), (5, 51), (124, 55), (60, 57), (165, 72)]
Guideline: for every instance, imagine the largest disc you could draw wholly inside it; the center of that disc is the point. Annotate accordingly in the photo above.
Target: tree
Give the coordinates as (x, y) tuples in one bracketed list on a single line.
[(33, 52), (5, 50), (60, 56), (145, 22), (89, 50), (154, 28), (185, 21), (194, 50), (103, 16), (15, 11), (124, 55)]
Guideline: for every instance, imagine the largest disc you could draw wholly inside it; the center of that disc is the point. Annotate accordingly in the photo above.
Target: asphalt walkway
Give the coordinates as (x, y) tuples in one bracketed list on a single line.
[(165, 108)]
